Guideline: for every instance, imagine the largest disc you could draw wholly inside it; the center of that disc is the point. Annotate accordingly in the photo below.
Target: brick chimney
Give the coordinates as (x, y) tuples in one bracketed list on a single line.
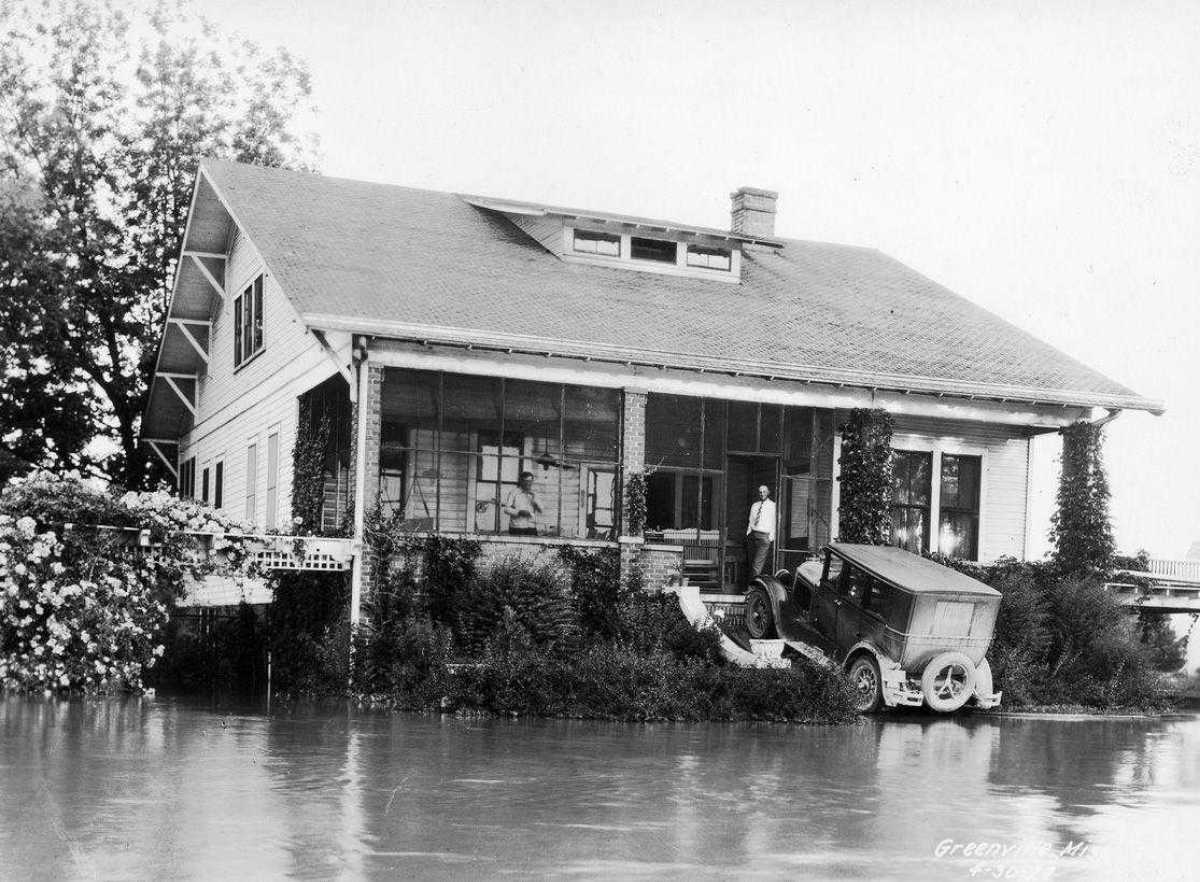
[(753, 212)]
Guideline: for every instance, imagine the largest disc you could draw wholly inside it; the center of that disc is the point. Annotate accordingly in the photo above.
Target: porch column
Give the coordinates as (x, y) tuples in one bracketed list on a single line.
[(364, 476), (633, 461)]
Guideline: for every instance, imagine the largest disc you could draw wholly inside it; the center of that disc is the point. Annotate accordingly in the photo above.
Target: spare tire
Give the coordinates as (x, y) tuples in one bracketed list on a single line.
[(948, 681)]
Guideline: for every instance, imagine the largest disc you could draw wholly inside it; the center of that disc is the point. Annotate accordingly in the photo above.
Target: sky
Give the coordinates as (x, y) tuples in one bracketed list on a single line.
[(1041, 159)]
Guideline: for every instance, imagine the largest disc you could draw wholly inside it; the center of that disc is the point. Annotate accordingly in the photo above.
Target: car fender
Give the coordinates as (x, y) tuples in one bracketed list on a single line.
[(894, 678), (775, 591)]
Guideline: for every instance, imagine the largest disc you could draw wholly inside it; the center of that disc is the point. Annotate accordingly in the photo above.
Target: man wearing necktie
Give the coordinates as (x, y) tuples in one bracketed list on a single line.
[(760, 531)]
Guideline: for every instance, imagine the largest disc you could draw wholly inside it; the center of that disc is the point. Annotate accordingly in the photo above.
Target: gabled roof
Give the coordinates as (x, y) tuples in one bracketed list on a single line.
[(427, 265)]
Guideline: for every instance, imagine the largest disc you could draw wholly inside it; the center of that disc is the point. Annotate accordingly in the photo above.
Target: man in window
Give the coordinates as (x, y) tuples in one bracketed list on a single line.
[(760, 531), (521, 506)]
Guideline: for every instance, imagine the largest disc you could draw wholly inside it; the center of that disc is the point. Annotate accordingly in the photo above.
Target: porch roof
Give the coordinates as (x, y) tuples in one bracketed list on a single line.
[(426, 265)]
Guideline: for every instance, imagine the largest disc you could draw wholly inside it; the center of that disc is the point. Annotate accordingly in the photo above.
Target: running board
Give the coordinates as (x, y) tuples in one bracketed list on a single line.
[(810, 652)]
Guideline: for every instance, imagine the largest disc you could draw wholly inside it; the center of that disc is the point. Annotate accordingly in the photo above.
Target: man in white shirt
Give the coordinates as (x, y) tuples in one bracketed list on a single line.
[(521, 505), (760, 531)]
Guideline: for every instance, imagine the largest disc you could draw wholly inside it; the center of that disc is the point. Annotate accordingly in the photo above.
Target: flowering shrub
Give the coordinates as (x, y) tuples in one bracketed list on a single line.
[(83, 605)]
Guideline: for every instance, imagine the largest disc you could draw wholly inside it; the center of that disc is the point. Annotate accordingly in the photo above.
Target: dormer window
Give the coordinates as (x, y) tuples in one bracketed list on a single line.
[(710, 258), (658, 250), (604, 244)]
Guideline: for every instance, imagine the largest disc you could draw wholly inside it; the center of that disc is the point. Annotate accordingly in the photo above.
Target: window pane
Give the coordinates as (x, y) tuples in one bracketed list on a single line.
[(743, 426), (592, 425), (657, 250), (796, 501), (768, 433), (910, 528), (472, 405), (600, 504), (710, 258), (237, 331), (958, 534), (258, 313), (605, 244), (672, 430), (797, 439)]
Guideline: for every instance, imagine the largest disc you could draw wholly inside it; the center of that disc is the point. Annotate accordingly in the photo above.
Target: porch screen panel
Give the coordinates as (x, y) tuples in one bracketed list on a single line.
[(453, 448), (673, 435), (590, 453), (479, 463)]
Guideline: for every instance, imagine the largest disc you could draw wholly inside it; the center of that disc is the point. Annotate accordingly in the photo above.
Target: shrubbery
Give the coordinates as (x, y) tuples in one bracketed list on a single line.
[(560, 638), (80, 609), (1064, 640)]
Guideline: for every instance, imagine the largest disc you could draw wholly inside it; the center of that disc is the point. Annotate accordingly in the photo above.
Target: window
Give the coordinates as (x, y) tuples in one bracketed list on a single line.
[(911, 489), (710, 258), (605, 244), (252, 482), (248, 322), (272, 478), (658, 250), (204, 487), (219, 484), (833, 569), (187, 478), (958, 522)]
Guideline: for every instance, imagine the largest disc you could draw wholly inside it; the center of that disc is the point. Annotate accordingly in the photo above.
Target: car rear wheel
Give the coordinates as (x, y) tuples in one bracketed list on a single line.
[(948, 681), (864, 677), (760, 619)]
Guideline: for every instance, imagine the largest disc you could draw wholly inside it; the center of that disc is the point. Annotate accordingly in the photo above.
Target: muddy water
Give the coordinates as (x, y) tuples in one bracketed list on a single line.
[(161, 787)]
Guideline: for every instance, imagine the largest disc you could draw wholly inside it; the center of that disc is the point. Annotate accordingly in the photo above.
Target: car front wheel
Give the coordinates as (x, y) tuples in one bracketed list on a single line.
[(864, 677), (760, 619)]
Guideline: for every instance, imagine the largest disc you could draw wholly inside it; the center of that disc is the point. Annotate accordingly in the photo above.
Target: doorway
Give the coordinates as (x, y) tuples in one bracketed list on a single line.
[(745, 473)]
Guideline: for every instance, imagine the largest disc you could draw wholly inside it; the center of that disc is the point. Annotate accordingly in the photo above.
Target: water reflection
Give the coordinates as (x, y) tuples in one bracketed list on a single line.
[(139, 787)]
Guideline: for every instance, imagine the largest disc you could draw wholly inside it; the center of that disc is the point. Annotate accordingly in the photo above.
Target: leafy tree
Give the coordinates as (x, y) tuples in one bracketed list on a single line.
[(1080, 528), (866, 476), (103, 117)]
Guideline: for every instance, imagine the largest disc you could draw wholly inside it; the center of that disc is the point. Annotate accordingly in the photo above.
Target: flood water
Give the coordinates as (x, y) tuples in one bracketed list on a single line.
[(152, 787)]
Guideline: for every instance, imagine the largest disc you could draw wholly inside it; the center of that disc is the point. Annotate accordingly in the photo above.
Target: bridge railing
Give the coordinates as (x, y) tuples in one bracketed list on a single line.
[(1188, 570)]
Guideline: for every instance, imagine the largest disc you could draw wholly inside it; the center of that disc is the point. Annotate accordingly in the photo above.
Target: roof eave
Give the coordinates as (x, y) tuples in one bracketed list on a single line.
[(933, 386)]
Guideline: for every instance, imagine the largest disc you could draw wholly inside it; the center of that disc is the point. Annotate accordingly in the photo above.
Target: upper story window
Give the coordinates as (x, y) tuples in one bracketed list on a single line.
[(248, 322), (659, 250), (607, 244), (710, 258)]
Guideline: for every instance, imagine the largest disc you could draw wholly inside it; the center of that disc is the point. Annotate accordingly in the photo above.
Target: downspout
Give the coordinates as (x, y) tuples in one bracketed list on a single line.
[(360, 481)]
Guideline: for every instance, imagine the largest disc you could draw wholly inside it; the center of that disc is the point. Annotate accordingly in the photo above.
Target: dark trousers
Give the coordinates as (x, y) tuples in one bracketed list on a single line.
[(758, 544)]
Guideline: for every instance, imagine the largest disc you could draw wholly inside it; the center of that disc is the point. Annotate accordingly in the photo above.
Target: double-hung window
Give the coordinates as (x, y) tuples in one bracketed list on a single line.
[(248, 322)]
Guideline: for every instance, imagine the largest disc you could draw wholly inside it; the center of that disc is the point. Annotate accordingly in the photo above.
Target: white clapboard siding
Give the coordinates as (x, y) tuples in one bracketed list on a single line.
[(238, 407)]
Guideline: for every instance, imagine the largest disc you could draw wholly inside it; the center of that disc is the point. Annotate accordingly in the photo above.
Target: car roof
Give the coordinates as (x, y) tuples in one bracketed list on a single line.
[(910, 572)]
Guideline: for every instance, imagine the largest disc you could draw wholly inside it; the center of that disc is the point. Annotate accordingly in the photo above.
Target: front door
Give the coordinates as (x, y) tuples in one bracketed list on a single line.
[(744, 474)]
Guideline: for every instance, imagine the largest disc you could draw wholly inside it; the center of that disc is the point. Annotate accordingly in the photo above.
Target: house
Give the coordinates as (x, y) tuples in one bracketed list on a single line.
[(457, 343)]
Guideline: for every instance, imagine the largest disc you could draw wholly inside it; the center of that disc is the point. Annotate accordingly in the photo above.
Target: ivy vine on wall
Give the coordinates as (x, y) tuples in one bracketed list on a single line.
[(635, 504), (308, 461), (1080, 527), (865, 477)]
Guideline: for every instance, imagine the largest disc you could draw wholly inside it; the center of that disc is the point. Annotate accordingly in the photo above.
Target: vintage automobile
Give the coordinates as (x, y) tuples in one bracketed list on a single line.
[(906, 629)]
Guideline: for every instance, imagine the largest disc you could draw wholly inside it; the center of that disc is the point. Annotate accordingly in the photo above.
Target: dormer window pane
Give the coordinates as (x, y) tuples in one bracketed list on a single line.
[(710, 258), (653, 249), (604, 244)]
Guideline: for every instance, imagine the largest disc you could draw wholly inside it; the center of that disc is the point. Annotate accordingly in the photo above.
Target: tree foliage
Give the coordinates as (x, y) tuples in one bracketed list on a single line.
[(866, 476), (1080, 528), (104, 114)]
